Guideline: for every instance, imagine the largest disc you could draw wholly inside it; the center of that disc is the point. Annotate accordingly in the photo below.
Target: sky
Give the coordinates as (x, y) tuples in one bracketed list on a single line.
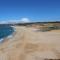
[(29, 10)]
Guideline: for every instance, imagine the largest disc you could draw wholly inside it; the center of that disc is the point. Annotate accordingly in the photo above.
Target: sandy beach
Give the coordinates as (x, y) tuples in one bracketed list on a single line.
[(27, 44)]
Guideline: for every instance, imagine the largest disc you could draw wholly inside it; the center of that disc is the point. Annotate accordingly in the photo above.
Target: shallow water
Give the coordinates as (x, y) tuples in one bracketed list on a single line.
[(5, 31)]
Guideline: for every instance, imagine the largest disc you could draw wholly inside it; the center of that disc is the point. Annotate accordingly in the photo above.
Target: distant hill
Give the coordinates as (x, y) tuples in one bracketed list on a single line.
[(30, 23)]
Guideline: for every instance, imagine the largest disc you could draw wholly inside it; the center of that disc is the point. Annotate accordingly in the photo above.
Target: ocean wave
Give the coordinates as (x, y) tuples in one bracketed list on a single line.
[(8, 34)]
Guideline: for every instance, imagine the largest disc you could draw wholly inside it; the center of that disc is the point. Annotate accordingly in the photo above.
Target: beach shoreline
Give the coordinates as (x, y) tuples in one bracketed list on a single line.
[(29, 44)]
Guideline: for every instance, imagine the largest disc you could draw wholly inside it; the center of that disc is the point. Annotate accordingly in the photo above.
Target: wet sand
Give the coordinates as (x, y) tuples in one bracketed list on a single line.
[(27, 44)]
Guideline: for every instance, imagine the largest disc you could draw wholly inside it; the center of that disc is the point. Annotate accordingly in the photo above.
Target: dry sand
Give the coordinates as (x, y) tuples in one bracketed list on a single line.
[(29, 45)]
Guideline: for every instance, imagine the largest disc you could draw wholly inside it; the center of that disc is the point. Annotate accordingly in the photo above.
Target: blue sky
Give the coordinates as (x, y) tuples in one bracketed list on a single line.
[(35, 10)]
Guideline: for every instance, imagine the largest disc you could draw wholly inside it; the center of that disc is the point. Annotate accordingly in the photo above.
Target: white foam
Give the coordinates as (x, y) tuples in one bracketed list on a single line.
[(10, 36), (1, 39)]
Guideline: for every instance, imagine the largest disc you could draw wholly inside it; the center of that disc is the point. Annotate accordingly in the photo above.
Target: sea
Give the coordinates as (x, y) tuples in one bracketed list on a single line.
[(5, 31)]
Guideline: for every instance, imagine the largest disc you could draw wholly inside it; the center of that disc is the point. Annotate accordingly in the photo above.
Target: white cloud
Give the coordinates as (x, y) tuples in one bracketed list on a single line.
[(13, 21), (25, 20), (3, 22), (9, 21)]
